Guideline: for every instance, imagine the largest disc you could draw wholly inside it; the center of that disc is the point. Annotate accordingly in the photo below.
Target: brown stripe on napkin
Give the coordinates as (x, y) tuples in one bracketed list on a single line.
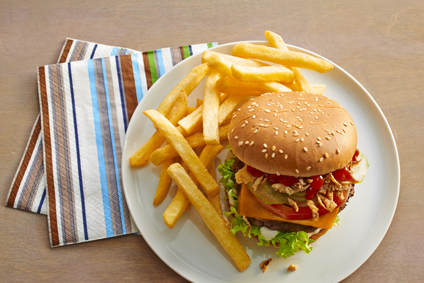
[(147, 70), (63, 155), (129, 84), (25, 162), (48, 157), (65, 52)]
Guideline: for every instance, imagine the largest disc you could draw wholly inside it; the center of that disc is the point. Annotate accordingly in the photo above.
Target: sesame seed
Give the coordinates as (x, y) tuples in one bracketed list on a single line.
[(294, 110), (338, 151), (308, 168), (251, 143), (286, 132), (246, 142), (351, 123), (241, 143), (280, 151), (320, 144), (267, 110), (281, 119), (250, 110), (297, 171), (255, 131), (326, 155), (228, 136), (236, 137), (243, 125), (232, 131), (273, 155), (328, 138), (261, 124), (273, 148), (234, 116), (307, 134), (311, 122), (264, 150), (286, 156), (253, 116), (296, 134), (297, 140), (344, 130), (249, 106), (265, 145), (300, 127), (316, 117), (266, 120), (315, 110), (305, 149), (276, 133), (266, 155), (321, 159), (318, 138), (276, 128), (302, 139), (275, 114)]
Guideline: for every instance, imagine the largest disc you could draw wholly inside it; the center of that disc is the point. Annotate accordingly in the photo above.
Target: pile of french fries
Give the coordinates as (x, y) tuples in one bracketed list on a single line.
[(251, 70)]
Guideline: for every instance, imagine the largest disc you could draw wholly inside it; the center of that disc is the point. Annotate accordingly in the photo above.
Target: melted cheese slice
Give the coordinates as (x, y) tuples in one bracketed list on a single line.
[(249, 207)]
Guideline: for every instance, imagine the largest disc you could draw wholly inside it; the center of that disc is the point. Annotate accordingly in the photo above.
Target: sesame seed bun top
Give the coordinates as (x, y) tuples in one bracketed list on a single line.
[(293, 133)]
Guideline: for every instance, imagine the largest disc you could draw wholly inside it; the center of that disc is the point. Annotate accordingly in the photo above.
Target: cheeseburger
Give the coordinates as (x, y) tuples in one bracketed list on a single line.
[(294, 167)]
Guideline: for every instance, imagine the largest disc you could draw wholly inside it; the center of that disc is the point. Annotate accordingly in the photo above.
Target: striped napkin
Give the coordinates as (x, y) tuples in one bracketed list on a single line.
[(28, 189), (85, 110)]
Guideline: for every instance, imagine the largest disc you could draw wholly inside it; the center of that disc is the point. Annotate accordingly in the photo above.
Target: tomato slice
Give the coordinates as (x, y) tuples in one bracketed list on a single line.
[(288, 212)]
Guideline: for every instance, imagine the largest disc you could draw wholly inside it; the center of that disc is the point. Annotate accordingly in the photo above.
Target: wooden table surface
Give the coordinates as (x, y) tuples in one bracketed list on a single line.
[(381, 43)]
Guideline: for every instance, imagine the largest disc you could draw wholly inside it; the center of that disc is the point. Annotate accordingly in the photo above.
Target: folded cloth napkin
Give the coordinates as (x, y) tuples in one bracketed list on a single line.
[(28, 189), (86, 107)]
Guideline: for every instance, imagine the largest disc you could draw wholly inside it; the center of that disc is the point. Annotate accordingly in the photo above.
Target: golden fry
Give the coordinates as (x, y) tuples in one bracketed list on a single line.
[(190, 109), (142, 155), (235, 87), (211, 109), (180, 144), (175, 209), (198, 102), (301, 83), (211, 218), (227, 107), (208, 56), (196, 140), (164, 182), (262, 74), (193, 122), (216, 200), (188, 84), (288, 58)]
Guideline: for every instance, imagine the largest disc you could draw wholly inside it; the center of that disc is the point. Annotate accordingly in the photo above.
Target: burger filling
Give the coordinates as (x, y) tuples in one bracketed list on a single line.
[(289, 198)]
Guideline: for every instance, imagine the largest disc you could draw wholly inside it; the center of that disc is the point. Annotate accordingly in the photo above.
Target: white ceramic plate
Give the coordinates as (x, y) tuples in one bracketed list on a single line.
[(192, 251)]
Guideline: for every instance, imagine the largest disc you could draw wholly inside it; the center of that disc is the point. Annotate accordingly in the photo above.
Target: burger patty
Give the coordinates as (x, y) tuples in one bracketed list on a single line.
[(284, 227)]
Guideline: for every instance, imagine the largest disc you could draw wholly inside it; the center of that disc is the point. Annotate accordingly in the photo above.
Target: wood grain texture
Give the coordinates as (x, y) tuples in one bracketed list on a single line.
[(379, 42)]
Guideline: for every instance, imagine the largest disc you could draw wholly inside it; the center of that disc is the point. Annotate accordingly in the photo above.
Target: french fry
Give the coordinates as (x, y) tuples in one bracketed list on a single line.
[(288, 58), (180, 144), (211, 218), (194, 141), (219, 63), (193, 122), (190, 109), (188, 84), (216, 200), (142, 155), (301, 83), (262, 74), (227, 107), (235, 87), (164, 182), (319, 89), (198, 102), (207, 156), (211, 109), (177, 207), (208, 56)]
